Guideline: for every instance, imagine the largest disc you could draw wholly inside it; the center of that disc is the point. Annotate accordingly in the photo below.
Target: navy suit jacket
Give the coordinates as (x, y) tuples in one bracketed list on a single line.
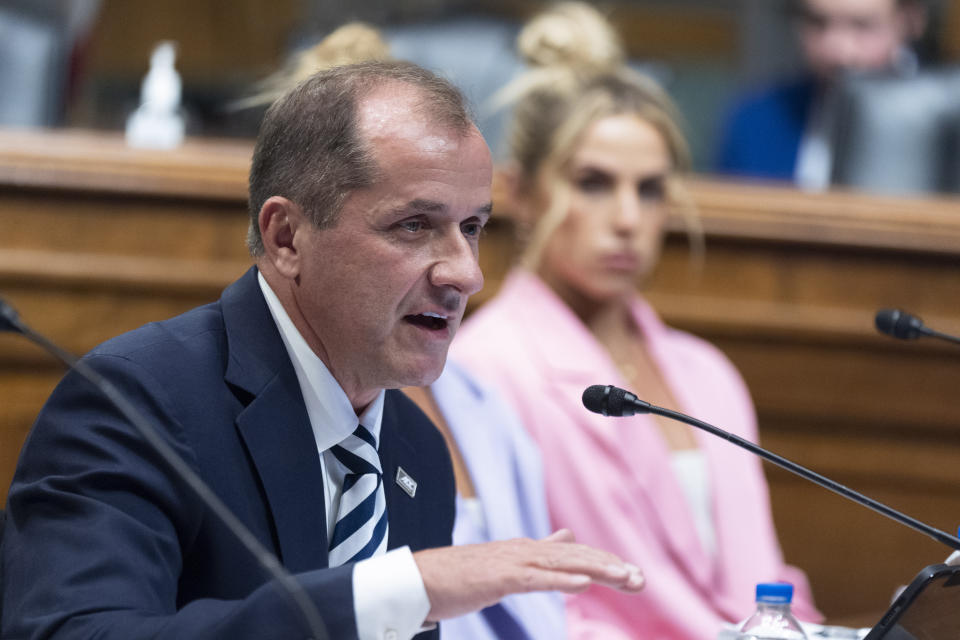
[(104, 540), (761, 136)]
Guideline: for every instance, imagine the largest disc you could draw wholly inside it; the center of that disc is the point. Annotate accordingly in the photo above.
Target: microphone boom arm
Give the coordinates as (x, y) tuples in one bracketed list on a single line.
[(10, 321), (613, 401), (942, 336), (816, 478)]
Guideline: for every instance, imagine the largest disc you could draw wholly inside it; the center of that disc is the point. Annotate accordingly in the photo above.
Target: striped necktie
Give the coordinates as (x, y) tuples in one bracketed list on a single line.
[(361, 528)]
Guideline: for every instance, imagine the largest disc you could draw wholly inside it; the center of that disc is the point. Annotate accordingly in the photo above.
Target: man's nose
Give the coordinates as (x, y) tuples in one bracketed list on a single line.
[(458, 266)]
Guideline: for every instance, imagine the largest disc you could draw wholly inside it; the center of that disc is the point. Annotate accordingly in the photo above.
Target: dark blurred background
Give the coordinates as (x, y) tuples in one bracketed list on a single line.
[(79, 63)]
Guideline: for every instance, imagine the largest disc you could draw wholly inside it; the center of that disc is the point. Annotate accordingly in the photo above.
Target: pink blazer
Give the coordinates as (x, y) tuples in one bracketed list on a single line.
[(610, 480)]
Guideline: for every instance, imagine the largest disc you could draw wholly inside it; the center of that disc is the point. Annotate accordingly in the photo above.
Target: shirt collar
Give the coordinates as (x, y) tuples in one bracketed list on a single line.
[(331, 415)]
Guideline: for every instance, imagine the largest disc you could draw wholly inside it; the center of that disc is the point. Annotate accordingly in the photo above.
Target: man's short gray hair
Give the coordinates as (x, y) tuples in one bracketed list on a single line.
[(309, 149)]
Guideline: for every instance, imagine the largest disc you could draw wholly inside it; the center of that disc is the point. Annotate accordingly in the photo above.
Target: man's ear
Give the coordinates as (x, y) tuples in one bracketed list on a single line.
[(279, 221)]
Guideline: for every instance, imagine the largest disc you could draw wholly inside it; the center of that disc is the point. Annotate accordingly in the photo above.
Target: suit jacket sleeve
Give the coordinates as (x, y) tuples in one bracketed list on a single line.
[(100, 530)]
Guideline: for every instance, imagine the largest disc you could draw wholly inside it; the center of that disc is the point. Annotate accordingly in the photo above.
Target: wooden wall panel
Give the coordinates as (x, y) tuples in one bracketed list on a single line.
[(98, 239), (217, 39), (677, 32)]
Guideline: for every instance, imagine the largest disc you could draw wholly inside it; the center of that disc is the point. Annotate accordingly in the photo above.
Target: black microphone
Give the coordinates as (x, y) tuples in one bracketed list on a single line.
[(613, 401), (904, 326), (10, 321)]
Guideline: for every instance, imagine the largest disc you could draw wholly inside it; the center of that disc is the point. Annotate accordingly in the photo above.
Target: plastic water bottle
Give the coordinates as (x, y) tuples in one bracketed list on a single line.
[(158, 122), (772, 620)]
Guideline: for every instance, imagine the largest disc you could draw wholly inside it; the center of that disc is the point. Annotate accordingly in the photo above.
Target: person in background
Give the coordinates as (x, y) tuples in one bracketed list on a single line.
[(596, 168), (782, 131)]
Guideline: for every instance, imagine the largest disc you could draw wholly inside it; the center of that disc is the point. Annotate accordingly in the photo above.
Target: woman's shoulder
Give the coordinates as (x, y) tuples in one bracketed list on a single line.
[(497, 328), (487, 334), (692, 347), (492, 354), (681, 347)]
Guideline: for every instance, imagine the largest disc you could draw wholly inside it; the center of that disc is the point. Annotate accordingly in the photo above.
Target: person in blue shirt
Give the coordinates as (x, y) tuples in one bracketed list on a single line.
[(780, 132)]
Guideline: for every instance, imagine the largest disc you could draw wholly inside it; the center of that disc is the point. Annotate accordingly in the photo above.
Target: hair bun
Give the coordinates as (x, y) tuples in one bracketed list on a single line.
[(349, 44), (571, 34)]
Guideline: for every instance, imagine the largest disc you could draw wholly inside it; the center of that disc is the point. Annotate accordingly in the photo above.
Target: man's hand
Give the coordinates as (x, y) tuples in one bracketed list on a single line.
[(467, 578)]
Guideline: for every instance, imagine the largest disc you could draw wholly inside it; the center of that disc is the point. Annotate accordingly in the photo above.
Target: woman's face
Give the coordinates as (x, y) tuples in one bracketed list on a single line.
[(613, 230)]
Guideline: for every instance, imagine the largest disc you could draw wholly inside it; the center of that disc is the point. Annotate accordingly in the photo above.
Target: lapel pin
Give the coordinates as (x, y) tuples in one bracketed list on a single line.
[(406, 482)]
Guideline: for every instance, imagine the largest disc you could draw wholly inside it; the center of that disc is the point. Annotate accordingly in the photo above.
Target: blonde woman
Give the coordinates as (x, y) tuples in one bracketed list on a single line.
[(596, 167)]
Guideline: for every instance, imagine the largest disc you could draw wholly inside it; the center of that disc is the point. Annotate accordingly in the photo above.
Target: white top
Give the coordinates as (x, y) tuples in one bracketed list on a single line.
[(814, 168), (815, 156), (389, 598), (690, 467)]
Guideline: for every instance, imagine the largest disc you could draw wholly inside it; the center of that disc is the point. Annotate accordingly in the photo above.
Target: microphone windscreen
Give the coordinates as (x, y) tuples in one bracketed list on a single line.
[(898, 324), (885, 320), (9, 319), (615, 404), (608, 400), (594, 398)]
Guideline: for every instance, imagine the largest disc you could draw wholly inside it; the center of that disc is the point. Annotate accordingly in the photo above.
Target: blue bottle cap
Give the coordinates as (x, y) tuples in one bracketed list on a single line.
[(775, 592)]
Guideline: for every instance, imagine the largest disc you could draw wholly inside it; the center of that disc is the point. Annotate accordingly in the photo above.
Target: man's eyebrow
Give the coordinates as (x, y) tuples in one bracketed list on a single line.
[(425, 206), (421, 205)]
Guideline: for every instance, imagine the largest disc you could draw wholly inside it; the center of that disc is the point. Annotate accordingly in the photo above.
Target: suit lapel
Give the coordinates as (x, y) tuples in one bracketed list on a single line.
[(275, 427), (277, 433), (403, 510), (622, 438)]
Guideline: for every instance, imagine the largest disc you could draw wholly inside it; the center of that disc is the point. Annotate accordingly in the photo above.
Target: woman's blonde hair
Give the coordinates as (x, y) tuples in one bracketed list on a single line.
[(577, 76), (351, 43)]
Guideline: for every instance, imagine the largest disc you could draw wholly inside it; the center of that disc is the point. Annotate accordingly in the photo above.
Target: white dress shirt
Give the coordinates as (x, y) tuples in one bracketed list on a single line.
[(814, 168), (815, 155), (389, 599)]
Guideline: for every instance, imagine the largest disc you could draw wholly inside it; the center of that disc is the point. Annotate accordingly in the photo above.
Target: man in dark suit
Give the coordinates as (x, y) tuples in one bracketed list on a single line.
[(368, 190)]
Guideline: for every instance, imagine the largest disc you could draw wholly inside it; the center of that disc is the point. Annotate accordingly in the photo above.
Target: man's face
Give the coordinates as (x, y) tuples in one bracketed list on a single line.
[(859, 35), (384, 290)]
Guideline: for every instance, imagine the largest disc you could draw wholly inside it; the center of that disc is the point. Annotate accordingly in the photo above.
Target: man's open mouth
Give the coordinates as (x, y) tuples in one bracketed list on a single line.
[(429, 320)]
